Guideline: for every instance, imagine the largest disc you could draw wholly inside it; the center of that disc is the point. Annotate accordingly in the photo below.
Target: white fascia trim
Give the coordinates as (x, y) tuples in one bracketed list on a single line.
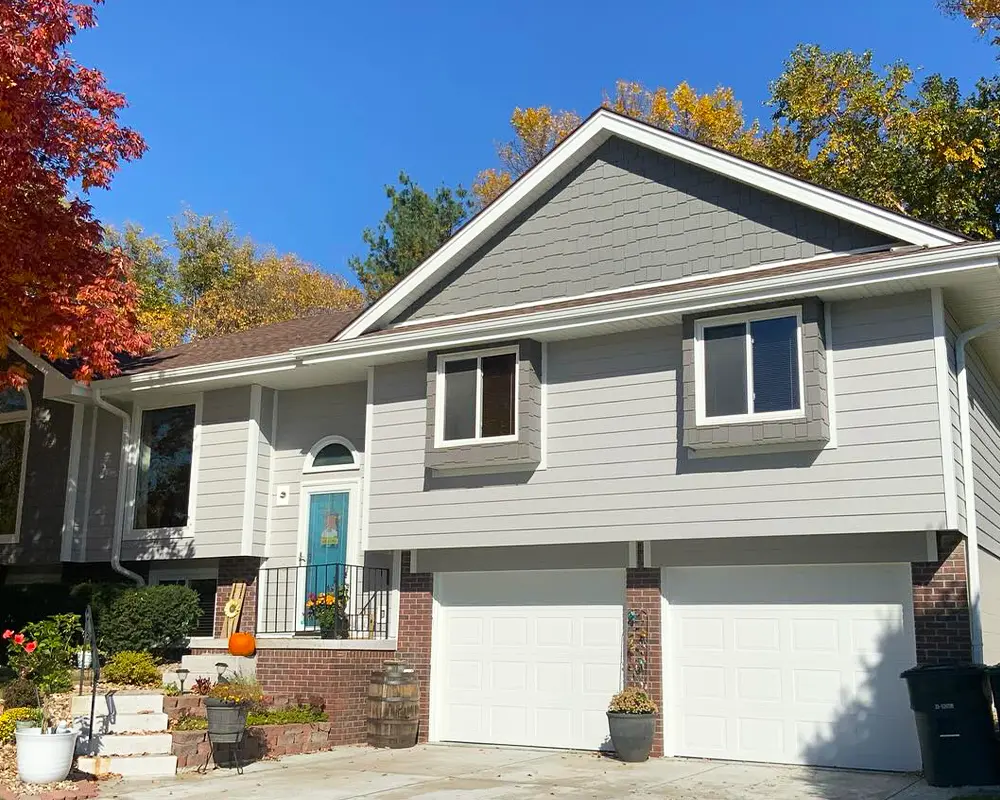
[(60, 385), (72, 482), (911, 264), (943, 378), (588, 137), (250, 484), (922, 264)]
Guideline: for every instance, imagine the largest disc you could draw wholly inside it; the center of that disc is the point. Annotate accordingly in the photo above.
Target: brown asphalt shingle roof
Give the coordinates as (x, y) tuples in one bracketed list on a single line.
[(280, 337)]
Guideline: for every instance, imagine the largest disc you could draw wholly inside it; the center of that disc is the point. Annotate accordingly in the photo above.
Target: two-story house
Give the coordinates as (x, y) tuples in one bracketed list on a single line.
[(657, 414)]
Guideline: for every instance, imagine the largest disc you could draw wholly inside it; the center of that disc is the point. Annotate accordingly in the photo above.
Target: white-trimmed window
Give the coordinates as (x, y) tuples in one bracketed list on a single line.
[(749, 367), (331, 454), (15, 411), (476, 397), (163, 468)]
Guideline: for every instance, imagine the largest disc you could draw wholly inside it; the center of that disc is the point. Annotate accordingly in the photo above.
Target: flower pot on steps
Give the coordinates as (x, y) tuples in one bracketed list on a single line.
[(632, 735), (227, 721), (44, 758)]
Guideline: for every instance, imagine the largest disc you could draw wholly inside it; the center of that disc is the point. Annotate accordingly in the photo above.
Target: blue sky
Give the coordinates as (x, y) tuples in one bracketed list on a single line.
[(290, 117)]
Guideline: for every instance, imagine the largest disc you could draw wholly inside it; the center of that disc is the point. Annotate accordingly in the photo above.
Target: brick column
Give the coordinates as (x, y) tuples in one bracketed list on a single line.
[(237, 570), (941, 604), (414, 639), (642, 593)]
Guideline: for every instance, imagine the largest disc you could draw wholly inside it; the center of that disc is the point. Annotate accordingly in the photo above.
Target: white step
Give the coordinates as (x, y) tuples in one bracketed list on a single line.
[(129, 767), (136, 744), (126, 723), (131, 703), (205, 665)]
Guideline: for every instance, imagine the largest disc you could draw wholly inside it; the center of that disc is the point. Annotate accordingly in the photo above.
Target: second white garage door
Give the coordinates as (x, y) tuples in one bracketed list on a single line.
[(527, 658), (791, 664)]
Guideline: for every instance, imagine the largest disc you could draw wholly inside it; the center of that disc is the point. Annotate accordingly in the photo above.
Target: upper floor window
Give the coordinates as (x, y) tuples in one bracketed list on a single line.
[(479, 394), (749, 367), (163, 477), (13, 436), (332, 454)]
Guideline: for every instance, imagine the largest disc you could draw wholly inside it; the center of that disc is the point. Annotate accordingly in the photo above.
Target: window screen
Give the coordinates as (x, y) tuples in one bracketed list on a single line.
[(775, 345), (498, 395), (163, 482), (460, 399)]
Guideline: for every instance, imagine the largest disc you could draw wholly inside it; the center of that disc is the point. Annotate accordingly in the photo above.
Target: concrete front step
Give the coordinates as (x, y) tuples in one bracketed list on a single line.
[(160, 766), (118, 702), (136, 744), (125, 723), (204, 666)]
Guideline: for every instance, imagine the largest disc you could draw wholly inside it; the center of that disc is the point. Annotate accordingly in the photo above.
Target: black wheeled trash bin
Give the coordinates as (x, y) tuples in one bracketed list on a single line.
[(951, 704)]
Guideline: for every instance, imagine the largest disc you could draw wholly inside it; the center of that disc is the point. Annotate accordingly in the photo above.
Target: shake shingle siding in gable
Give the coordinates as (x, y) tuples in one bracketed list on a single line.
[(615, 471), (627, 216)]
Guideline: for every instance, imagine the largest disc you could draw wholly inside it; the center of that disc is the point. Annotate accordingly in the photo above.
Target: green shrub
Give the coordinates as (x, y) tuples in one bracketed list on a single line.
[(20, 693), (131, 669), (10, 718), (286, 716), (154, 619), (186, 723)]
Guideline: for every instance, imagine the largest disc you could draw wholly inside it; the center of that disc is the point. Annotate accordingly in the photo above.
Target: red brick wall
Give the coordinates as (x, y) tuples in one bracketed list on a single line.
[(194, 751), (941, 604), (341, 677), (237, 570), (642, 593), (415, 613)]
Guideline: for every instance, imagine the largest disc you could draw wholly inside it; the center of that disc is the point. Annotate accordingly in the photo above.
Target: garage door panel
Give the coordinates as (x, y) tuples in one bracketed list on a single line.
[(546, 667), (791, 664)]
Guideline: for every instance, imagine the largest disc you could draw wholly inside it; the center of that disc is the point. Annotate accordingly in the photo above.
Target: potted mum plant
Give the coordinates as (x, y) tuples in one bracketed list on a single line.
[(329, 611), (227, 705), (44, 754), (632, 722)]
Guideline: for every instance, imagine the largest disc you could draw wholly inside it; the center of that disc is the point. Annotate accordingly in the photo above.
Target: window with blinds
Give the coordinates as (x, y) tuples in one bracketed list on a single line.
[(749, 368)]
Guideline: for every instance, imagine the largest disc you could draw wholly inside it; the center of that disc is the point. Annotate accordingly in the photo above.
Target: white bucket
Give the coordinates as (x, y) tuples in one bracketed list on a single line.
[(83, 659), (44, 759)]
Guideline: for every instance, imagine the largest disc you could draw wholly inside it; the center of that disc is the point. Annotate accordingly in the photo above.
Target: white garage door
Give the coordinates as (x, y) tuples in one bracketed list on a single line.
[(796, 665), (527, 658)]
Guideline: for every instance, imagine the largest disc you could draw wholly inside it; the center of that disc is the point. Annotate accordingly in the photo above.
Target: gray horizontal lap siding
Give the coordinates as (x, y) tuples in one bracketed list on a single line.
[(221, 475), (104, 464), (304, 417), (628, 216), (951, 335), (615, 471), (984, 420), (46, 471), (262, 483)]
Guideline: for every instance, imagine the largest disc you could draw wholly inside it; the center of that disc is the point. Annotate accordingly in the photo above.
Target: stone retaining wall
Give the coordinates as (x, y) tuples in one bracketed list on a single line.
[(194, 751)]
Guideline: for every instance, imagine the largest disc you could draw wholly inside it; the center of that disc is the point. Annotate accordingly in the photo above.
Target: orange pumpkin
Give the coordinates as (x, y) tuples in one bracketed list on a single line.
[(242, 644)]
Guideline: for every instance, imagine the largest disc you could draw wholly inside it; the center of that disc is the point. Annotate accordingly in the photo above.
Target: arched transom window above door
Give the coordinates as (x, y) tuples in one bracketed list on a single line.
[(331, 454)]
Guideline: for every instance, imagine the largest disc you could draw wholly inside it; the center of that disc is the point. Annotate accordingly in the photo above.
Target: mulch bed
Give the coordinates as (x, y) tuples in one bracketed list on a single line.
[(77, 787)]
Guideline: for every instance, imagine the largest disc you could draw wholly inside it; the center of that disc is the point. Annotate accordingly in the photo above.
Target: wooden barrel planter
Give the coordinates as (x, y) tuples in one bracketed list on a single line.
[(393, 708)]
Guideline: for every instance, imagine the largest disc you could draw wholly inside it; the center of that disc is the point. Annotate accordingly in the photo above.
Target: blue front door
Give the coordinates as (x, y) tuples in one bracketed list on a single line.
[(326, 543)]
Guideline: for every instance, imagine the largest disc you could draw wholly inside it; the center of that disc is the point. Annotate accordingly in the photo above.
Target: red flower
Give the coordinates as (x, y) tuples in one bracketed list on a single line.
[(8, 634), (30, 647), (19, 639)]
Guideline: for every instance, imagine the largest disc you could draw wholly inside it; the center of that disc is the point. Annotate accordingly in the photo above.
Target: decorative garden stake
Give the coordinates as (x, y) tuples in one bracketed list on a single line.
[(637, 648)]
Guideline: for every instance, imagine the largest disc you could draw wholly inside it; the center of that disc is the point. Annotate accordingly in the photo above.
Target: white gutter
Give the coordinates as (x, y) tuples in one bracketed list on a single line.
[(971, 526), (925, 263), (119, 529)]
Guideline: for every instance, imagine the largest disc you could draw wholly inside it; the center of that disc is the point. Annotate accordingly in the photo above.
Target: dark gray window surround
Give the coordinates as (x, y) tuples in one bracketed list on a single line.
[(812, 427), (522, 455)]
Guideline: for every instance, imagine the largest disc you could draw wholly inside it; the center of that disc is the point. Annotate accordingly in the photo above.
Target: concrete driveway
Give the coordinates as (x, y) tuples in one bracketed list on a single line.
[(471, 773)]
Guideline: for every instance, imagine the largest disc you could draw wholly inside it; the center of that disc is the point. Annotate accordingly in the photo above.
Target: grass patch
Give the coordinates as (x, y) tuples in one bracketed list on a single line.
[(286, 716), (283, 716)]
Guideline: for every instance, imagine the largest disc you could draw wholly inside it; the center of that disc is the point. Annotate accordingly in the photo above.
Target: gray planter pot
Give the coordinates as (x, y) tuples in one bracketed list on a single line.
[(227, 722), (632, 735)]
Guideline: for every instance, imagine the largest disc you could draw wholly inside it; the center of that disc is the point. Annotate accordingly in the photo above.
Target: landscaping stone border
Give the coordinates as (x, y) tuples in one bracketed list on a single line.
[(194, 751)]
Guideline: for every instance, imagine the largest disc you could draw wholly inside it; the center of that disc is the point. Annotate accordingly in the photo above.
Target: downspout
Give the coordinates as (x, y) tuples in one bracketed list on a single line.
[(119, 528), (968, 479)]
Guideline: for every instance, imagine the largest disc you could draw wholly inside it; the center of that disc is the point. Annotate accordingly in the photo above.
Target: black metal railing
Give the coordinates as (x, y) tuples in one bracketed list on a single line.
[(90, 649), (353, 601)]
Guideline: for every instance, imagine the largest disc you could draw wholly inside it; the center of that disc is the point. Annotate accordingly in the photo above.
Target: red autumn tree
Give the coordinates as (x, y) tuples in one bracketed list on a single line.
[(63, 294)]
